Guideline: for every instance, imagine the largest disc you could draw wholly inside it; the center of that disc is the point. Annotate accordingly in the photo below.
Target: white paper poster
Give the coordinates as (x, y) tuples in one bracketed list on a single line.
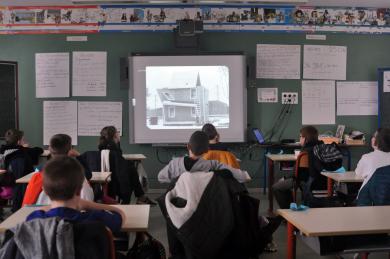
[(278, 61), (318, 102), (59, 117), (386, 81), (357, 98), (324, 62), (89, 73), (267, 95), (93, 116), (51, 75)]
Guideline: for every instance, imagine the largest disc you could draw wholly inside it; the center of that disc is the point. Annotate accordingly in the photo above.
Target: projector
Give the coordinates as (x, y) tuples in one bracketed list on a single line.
[(189, 27)]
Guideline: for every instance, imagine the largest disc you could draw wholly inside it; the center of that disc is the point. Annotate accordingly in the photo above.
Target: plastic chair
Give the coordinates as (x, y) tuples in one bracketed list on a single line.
[(225, 157), (302, 162)]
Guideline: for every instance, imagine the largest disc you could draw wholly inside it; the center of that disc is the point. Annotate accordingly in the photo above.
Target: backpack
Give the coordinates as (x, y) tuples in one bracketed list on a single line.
[(146, 247), (329, 155)]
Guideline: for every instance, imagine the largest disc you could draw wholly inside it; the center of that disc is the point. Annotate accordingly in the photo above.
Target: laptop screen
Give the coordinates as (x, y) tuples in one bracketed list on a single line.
[(259, 136)]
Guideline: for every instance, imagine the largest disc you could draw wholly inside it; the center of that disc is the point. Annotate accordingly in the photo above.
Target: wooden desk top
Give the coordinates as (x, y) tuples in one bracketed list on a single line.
[(135, 157), (97, 177), (340, 221), (281, 157), (347, 177), (137, 217)]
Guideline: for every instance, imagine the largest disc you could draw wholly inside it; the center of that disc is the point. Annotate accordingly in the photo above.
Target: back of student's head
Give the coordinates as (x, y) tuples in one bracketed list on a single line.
[(210, 130), (13, 136), (382, 139), (60, 144), (199, 143), (310, 134), (63, 178), (107, 137)]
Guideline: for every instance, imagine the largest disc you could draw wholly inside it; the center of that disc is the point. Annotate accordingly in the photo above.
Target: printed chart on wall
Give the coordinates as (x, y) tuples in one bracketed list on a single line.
[(89, 73), (357, 98), (324, 62), (278, 61), (59, 117), (52, 75), (93, 116), (318, 102)]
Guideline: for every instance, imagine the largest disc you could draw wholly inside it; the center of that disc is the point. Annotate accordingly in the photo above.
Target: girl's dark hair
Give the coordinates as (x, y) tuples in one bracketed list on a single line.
[(382, 139), (210, 130), (106, 140), (310, 134)]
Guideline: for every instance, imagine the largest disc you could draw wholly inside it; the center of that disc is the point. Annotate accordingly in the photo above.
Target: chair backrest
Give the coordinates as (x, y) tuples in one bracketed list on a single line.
[(225, 157), (93, 240), (376, 192), (302, 162)]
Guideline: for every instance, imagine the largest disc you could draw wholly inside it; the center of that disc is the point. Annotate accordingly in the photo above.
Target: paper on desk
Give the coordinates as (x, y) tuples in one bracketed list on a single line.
[(59, 117), (357, 98), (278, 61), (318, 102), (324, 62), (51, 75), (93, 116), (89, 73)]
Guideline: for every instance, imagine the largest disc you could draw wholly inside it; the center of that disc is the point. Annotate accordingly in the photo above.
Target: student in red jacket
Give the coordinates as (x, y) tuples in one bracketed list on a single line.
[(60, 145)]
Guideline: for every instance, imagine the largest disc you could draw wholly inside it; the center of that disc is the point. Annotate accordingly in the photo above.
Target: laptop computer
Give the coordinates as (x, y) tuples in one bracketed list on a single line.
[(260, 137)]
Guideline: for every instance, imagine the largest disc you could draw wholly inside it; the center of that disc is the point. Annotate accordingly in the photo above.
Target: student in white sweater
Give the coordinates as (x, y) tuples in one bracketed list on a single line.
[(380, 157), (197, 146)]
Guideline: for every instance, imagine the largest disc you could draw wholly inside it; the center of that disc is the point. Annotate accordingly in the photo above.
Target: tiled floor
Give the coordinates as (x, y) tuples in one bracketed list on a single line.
[(157, 229)]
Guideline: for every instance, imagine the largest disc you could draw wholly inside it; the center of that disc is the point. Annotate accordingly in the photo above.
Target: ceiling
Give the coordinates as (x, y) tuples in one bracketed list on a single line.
[(349, 3)]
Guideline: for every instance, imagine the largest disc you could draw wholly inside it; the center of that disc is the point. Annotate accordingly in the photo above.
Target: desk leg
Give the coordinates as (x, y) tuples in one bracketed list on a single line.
[(330, 187), (291, 241), (265, 170), (349, 158), (270, 183)]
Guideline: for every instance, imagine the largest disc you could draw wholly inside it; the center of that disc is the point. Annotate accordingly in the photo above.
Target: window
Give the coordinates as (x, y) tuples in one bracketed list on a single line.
[(168, 96), (171, 112), (193, 112), (193, 93)]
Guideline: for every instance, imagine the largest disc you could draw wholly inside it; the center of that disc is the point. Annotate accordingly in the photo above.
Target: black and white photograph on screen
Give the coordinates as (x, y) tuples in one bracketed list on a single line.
[(187, 96)]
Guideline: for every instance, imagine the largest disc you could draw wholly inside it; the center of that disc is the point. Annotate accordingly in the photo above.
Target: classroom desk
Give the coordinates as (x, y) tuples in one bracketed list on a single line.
[(271, 161), (340, 221), (347, 177), (137, 217), (97, 178), (132, 157), (291, 146)]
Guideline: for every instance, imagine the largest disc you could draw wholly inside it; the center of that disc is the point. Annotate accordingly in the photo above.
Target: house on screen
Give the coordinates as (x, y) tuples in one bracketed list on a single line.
[(185, 102)]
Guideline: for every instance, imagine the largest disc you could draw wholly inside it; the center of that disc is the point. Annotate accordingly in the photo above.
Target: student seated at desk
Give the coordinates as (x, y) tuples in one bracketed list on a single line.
[(125, 179), (308, 178), (214, 137), (15, 143), (60, 145), (197, 146), (63, 179), (19, 160), (380, 157)]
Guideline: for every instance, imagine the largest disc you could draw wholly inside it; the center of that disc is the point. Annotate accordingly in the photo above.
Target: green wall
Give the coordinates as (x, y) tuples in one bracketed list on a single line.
[(366, 53)]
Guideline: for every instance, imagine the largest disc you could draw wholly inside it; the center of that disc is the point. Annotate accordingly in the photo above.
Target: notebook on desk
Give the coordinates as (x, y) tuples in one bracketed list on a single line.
[(260, 138)]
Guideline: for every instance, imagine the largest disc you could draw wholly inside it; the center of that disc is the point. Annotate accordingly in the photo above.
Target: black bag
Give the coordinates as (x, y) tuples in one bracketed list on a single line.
[(329, 155), (146, 247)]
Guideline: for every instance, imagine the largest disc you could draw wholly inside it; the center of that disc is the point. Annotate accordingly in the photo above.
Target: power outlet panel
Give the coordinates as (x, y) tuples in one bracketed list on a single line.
[(289, 98)]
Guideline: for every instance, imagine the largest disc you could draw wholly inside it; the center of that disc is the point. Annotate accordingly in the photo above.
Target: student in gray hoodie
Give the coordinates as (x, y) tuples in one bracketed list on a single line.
[(197, 146)]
